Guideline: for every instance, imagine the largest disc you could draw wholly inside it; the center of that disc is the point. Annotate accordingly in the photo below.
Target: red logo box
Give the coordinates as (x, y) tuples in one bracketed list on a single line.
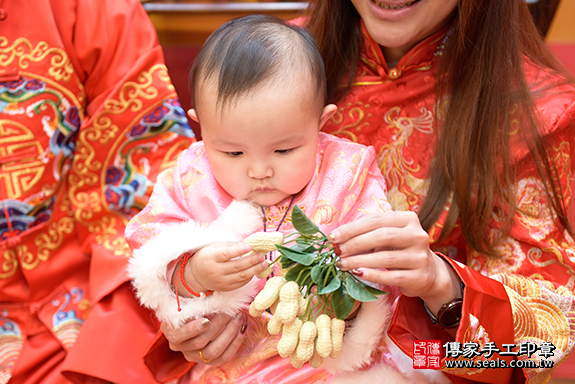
[(427, 354)]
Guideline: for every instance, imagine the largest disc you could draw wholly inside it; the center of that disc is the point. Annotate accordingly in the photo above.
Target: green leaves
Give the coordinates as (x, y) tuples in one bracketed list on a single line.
[(299, 257), (311, 263), (356, 290), (333, 285), (342, 303), (302, 224)]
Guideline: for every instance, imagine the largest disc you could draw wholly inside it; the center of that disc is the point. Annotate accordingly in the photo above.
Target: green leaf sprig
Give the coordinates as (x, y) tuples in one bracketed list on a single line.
[(311, 262)]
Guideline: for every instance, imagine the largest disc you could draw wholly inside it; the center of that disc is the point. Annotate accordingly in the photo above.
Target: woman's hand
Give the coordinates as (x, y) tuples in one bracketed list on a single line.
[(217, 337), (393, 249)]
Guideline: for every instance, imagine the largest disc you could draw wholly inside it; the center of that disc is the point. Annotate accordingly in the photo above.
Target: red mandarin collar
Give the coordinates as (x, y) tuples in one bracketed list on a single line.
[(419, 57)]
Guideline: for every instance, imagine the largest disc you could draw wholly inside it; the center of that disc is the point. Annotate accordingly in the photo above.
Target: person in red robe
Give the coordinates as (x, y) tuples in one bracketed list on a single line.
[(473, 123), (88, 118)]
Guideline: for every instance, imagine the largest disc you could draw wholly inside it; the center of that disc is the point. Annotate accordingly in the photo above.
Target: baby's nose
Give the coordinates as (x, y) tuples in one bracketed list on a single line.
[(260, 170)]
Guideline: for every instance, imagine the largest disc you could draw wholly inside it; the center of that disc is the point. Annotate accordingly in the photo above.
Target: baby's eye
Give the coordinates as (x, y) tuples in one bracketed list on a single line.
[(284, 151), (234, 154)]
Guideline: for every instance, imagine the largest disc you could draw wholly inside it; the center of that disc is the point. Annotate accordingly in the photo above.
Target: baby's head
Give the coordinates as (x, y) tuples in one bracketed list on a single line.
[(259, 95)]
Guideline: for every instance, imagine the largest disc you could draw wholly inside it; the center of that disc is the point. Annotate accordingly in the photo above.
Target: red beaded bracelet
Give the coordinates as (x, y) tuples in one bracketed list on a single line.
[(180, 274)]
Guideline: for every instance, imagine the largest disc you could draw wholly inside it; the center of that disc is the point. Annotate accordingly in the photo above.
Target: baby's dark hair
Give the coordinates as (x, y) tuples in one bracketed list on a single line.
[(246, 52)]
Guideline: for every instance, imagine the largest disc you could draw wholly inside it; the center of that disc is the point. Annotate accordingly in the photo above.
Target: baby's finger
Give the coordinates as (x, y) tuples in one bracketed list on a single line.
[(230, 251), (242, 264), (241, 278)]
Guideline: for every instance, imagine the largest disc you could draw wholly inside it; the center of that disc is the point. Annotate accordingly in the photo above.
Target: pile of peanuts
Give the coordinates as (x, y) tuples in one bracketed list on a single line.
[(302, 341)]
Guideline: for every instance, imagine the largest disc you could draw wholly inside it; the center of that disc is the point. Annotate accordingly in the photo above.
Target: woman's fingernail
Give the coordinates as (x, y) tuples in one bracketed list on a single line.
[(336, 249), (243, 329), (205, 322), (357, 272), (339, 264), (332, 237)]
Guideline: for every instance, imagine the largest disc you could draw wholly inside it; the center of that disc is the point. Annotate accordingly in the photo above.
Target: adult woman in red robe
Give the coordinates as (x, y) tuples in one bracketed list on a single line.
[(473, 122)]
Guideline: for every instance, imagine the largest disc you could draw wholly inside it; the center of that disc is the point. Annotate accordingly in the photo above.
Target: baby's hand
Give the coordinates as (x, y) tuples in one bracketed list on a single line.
[(218, 267)]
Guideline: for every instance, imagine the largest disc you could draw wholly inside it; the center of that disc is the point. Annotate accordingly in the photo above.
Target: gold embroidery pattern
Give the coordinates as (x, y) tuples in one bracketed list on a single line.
[(535, 255), (511, 258), (19, 176), (533, 210), (108, 236), (540, 313), (23, 51), (382, 205), (356, 114), (130, 98), (172, 155), (394, 165), (348, 203), (86, 166), (274, 214), (51, 240), (11, 258), (9, 265), (104, 130)]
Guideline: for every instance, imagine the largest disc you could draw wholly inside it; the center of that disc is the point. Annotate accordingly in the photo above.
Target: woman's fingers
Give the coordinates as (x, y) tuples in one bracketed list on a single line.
[(225, 345), (192, 336), (387, 259), (187, 331), (384, 231), (393, 249), (369, 223), (233, 347)]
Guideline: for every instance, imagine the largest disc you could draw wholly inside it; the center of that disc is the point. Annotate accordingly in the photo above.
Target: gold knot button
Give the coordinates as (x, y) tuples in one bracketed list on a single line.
[(394, 74)]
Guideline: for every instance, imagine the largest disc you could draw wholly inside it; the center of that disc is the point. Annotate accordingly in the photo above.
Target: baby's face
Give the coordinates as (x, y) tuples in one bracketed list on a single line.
[(262, 148)]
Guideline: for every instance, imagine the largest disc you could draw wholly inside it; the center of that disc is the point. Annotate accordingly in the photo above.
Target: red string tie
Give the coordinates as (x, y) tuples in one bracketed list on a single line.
[(180, 274)]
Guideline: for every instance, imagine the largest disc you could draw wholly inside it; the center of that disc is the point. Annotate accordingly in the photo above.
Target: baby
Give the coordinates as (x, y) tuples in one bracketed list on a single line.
[(260, 99)]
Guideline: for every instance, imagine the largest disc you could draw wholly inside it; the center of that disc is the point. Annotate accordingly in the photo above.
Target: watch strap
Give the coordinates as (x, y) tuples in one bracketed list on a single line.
[(449, 315)]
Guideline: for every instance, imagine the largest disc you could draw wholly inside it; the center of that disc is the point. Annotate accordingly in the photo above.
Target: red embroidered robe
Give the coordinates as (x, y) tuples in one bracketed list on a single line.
[(88, 117), (527, 294)]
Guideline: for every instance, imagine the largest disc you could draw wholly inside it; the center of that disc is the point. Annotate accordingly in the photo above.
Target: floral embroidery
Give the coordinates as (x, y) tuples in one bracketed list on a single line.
[(11, 341), (68, 319)]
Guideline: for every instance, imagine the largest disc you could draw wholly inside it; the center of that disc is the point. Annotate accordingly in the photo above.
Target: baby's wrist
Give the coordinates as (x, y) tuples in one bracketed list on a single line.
[(190, 276), (181, 285)]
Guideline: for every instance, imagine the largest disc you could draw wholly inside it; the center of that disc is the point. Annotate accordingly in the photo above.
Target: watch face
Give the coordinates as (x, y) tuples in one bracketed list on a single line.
[(450, 314)]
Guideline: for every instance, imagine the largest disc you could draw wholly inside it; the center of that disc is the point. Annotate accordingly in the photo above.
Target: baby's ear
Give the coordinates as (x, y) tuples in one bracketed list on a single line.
[(326, 114), (193, 115)]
